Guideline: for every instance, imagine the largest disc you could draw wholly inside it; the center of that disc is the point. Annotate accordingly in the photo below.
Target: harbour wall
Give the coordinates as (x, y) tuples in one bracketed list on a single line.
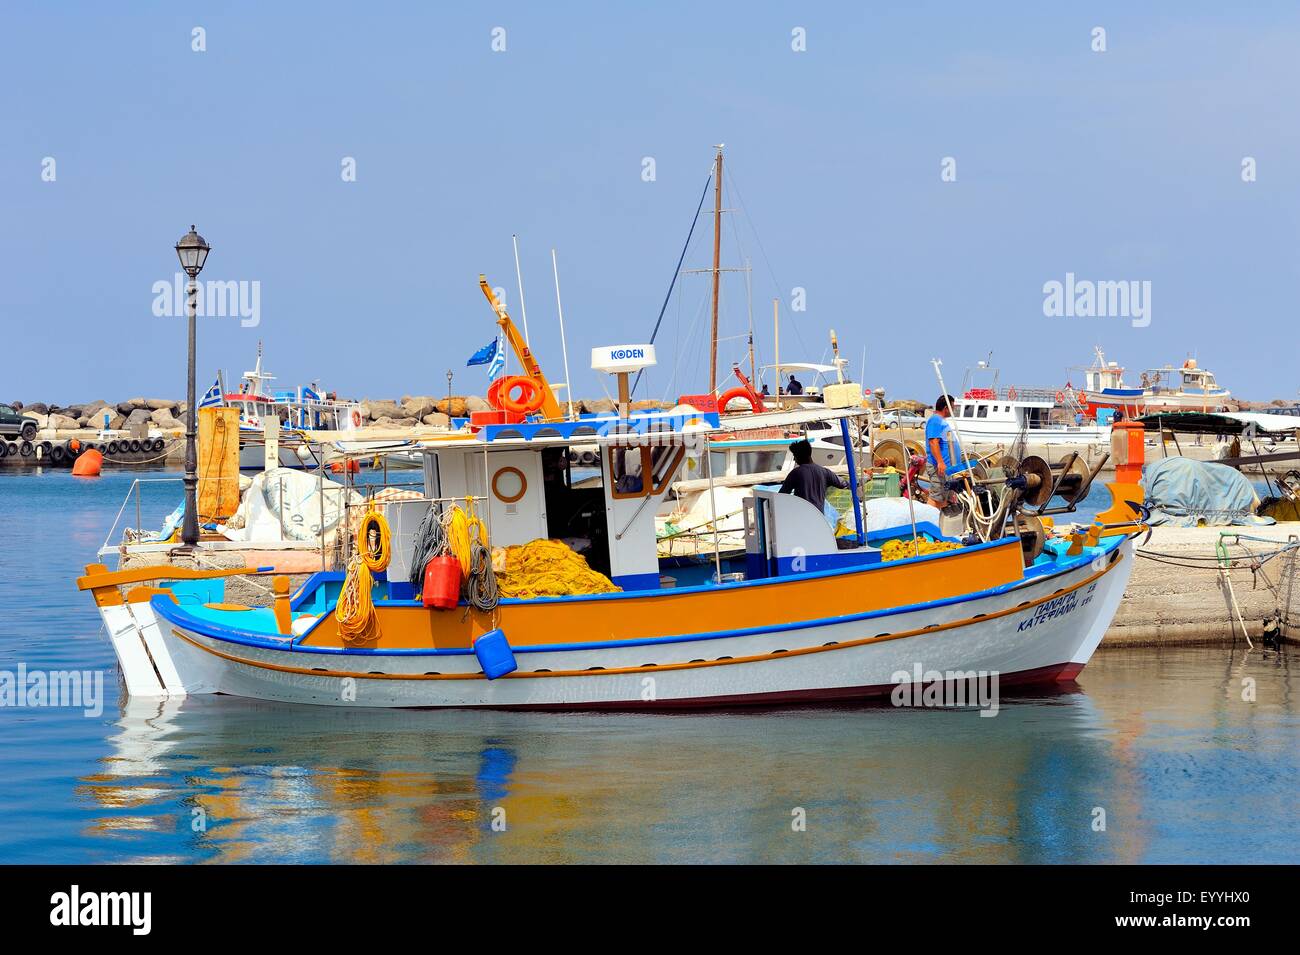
[(1178, 596)]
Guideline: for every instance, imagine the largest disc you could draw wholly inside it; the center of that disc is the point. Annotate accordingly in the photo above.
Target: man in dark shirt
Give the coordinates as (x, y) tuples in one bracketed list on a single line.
[(808, 480), (795, 386)]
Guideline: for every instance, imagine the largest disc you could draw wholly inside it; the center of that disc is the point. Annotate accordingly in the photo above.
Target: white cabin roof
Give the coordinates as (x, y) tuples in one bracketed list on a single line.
[(802, 366)]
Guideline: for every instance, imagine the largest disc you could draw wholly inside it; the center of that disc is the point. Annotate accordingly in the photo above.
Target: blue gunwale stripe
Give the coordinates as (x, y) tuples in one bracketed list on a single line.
[(174, 614)]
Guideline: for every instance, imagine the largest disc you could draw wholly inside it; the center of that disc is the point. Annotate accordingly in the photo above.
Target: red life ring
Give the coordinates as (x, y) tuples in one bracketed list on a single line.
[(530, 397), (1011, 393), (1060, 397), (356, 418)]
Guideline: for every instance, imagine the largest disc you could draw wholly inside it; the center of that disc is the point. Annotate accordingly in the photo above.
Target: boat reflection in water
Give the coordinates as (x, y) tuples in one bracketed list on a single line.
[(1153, 739)]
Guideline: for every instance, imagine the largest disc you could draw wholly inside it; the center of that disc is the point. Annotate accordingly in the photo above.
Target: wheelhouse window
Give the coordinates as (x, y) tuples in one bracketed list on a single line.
[(630, 466), (983, 412)]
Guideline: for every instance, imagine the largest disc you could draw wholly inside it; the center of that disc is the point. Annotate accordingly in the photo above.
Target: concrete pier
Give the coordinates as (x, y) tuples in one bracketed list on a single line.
[(1177, 595)]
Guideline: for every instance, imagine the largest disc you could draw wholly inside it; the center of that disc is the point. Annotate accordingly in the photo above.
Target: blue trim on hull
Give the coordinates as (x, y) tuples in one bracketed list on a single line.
[(176, 615)]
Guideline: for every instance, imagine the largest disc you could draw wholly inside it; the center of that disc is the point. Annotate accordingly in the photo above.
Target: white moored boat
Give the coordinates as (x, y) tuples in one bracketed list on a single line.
[(289, 413), (996, 415), (801, 616), (1186, 388)]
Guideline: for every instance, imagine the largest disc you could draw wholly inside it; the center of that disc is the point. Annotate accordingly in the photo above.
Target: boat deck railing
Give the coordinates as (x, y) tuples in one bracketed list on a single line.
[(133, 491)]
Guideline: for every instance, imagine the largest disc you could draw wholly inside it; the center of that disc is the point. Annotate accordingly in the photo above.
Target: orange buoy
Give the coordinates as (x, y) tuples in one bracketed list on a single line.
[(88, 463), (350, 465)]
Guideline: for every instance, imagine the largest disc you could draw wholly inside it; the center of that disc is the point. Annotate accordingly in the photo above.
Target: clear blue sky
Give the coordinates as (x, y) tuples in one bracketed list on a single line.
[(1117, 165)]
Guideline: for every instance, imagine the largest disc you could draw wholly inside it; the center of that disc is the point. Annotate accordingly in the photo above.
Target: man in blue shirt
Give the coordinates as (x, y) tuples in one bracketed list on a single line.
[(940, 451)]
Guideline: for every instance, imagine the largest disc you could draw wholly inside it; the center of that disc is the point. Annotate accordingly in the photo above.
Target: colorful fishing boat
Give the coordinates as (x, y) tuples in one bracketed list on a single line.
[(801, 615)]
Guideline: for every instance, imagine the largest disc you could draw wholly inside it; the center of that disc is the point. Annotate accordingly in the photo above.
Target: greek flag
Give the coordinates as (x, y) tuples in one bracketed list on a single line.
[(212, 397), (498, 361)]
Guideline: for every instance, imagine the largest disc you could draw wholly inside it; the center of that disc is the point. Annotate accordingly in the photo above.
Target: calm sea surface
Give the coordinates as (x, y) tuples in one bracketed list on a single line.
[(1162, 742)]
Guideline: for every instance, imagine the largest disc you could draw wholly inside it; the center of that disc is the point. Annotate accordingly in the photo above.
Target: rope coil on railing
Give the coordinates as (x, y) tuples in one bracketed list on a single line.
[(358, 622)]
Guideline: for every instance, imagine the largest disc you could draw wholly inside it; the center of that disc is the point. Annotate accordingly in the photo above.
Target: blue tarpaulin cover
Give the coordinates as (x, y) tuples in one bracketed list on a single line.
[(1185, 493)]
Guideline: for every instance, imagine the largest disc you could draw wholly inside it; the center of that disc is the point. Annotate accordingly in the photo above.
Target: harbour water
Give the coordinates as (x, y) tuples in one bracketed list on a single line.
[(1155, 756)]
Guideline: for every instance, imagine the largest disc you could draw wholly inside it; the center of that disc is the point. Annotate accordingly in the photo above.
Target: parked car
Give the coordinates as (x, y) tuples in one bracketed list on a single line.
[(16, 424)]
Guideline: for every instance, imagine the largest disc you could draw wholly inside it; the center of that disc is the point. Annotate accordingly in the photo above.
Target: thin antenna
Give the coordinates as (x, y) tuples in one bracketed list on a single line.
[(717, 274), (749, 305), (776, 351), (519, 277), (564, 345)]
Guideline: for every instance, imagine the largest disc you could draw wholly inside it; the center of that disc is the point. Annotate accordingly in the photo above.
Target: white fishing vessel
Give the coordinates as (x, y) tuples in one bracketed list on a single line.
[(991, 414), (1105, 390), (1185, 388), (301, 410)]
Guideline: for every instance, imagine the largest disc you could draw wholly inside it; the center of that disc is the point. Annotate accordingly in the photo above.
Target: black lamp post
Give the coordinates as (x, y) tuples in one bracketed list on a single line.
[(193, 252)]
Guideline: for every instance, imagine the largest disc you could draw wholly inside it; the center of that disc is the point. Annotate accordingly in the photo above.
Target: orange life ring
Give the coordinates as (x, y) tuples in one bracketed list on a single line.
[(356, 418), (1060, 397), (1011, 393), (529, 400), (494, 393), (727, 396)]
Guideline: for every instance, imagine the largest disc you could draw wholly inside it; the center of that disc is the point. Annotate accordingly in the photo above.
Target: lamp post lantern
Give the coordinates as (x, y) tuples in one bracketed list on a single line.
[(192, 250)]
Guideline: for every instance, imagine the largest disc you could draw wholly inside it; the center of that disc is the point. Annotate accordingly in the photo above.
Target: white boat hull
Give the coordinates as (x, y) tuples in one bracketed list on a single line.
[(1065, 435), (1042, 630)]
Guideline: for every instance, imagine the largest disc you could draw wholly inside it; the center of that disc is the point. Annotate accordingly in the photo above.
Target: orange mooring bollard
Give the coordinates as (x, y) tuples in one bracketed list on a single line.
[(1128, 451), (88, 464)]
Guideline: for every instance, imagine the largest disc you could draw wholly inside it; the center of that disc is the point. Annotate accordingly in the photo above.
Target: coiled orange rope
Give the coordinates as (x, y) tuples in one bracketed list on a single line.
[(357, 621)]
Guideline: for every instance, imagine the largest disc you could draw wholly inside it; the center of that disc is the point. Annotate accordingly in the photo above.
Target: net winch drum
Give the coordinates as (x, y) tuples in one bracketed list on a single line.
[(1032, 534)]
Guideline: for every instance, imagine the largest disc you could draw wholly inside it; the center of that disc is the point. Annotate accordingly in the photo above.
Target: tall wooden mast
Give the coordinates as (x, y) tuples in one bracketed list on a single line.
[(717, 269)]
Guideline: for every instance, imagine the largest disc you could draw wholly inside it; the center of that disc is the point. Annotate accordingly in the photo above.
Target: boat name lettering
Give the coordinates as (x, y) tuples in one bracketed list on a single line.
[(1057, 607)]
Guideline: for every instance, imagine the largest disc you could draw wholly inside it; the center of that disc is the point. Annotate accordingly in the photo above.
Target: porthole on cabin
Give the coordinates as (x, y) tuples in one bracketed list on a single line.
[(509, 485)]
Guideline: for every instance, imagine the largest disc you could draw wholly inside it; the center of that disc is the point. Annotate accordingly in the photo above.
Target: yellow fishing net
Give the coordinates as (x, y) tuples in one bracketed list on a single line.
[(546, 568), (899, 549)]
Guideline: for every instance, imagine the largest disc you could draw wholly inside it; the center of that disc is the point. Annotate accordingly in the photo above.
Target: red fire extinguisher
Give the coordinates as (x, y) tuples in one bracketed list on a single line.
[(441, 582)]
